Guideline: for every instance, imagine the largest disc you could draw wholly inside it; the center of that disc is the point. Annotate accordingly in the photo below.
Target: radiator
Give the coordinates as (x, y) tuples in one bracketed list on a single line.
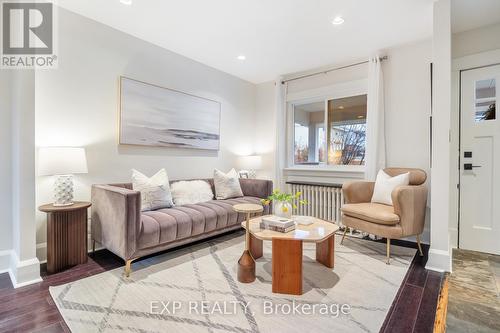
[(324, 201)]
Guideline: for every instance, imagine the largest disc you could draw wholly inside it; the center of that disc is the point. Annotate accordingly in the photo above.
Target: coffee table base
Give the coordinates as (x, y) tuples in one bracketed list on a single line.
[(246, 268), (287, 266), (287, 261)]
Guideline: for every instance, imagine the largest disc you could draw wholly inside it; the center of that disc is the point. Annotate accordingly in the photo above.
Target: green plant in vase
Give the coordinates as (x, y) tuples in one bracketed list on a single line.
[(284, 203)]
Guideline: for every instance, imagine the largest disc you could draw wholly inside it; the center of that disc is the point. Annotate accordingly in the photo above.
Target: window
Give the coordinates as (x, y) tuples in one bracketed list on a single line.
[(309, 133), (330, 131), (347, 130), (485, 100)]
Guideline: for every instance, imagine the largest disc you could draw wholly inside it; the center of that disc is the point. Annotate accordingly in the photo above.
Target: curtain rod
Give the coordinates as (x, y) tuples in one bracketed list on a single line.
[(331, 70)]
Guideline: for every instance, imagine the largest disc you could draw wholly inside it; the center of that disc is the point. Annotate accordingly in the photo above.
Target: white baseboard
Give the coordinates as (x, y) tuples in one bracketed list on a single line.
[(25, 272), (439, 260)]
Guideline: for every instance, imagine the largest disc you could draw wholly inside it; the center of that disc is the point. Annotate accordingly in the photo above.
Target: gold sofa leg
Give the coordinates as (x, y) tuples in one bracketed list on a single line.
[(388, 250), (419, 246), (128, 268), (343, 236)]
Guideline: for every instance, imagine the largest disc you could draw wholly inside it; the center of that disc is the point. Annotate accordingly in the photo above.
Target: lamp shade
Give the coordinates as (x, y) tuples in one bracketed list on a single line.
[(252, 162), (61, 161)]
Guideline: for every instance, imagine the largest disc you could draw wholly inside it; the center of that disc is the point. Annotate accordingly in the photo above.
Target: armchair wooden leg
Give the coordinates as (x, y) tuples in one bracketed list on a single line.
[(419, 246), (388, 250), (128, 268), (343, 236), (93, 246)]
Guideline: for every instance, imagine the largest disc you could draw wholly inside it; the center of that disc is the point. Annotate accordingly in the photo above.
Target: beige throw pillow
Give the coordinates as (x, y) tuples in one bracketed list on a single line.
[(227, 185), (385, 184), (155, 190)]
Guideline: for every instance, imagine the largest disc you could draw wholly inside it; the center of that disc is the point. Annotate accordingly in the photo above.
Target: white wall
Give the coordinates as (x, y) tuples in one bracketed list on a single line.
[(265, 128), (5, 170), (476, 41), (77, 105), (407, 101), (439, 253)]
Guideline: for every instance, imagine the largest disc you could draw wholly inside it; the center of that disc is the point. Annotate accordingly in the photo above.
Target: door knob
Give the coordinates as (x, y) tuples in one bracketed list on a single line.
[(469, 166)]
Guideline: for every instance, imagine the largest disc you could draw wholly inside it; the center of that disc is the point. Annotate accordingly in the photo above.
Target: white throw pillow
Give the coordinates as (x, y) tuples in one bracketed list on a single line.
[(155, 191), (227, 185), (191, 192), (385, 184)]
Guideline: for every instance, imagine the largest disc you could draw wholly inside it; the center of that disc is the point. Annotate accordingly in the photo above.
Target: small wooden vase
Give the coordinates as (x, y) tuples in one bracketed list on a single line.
[(246, 268)]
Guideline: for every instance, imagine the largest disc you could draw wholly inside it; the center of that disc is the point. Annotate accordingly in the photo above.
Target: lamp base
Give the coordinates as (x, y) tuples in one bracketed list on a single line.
[(63, 190)]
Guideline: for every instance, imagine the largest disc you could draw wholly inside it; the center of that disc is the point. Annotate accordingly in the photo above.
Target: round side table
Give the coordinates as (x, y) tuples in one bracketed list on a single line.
[(66, 235), (246, 264)]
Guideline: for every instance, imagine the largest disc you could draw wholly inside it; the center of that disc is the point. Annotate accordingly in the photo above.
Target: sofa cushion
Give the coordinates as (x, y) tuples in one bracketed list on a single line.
[(372, 212)]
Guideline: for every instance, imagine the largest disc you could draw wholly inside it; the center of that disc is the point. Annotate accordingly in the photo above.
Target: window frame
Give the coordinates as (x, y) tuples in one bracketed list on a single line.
[(341, 90)]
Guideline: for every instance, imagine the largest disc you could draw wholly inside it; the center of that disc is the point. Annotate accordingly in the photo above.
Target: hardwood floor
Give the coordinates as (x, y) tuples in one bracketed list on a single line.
[(414, 308), (31, 309)]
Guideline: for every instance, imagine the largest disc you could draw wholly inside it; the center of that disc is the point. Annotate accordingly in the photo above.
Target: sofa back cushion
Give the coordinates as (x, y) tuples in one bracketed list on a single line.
[(191, 192)]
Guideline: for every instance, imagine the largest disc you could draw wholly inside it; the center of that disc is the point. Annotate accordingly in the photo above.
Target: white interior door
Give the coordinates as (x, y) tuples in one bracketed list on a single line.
[(480, 161)]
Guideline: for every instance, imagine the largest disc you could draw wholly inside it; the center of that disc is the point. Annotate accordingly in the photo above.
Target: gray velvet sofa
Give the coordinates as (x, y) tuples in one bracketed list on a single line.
[(119, 225)]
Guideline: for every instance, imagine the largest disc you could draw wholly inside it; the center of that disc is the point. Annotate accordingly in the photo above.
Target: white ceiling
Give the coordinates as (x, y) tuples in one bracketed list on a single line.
[(276, 36), (472, 14)]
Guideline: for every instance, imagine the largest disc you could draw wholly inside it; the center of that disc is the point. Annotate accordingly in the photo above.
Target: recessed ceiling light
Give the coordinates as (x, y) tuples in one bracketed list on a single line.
[(338, 20), (341, 107), (241, 57), (126, 2), (361, 117)]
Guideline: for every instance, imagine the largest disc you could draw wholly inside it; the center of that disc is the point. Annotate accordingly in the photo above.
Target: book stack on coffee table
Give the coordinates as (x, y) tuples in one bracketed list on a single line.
[(278, 224)]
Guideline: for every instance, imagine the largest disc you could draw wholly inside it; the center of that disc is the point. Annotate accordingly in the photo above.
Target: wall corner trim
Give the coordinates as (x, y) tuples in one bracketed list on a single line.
[(439, 260), (25, 272)]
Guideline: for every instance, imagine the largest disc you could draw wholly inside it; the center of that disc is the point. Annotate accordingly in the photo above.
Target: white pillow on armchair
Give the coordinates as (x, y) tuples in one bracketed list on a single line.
[(385, 184)]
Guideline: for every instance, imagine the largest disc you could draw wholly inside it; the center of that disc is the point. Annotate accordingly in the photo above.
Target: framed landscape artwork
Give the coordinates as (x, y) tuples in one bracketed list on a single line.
[(155, 116)]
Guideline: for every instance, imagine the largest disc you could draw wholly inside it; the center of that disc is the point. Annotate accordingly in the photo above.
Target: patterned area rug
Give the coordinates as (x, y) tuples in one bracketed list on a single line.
[(195, 289)]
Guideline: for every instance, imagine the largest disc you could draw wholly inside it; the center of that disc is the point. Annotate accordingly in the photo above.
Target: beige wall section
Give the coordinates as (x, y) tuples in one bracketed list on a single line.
[(77, 104), (476, 41), (265, 127), (5, 169)]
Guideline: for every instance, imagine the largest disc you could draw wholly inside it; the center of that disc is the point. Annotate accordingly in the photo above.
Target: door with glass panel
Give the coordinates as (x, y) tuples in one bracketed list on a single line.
[(480, 161)]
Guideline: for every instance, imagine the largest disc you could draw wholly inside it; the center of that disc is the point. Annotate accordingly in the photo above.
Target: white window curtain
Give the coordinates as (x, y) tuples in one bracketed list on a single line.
[(280, 121), (375, 128)]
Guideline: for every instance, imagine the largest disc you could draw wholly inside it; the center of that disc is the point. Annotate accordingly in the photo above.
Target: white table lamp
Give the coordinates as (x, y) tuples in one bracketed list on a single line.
[(62, 162), (250, 164)]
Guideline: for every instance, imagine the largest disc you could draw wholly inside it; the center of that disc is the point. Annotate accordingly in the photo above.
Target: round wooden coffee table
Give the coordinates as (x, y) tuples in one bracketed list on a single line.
[(246, 264), (287, 249)]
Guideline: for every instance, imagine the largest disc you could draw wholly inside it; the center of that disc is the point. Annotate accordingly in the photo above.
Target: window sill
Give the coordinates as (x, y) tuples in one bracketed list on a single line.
[(328, 174), (319, 168)]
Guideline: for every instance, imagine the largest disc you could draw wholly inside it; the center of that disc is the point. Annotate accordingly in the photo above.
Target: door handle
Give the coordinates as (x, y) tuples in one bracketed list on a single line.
[(469, 166)]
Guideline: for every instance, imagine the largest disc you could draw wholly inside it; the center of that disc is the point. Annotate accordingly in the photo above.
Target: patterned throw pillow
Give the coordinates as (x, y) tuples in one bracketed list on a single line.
[(155, 191), (227, 185), (191, 192)]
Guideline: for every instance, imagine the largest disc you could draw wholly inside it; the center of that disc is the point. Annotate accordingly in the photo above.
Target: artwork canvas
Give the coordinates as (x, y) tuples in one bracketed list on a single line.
[(155, 116)]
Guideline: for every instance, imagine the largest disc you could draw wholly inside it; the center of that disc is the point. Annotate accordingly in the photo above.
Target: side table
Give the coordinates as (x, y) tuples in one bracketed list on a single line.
[(66, 235), (246, 264)]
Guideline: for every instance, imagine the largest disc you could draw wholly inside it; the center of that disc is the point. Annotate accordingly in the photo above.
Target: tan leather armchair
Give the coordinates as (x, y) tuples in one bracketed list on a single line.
[(405, 218)]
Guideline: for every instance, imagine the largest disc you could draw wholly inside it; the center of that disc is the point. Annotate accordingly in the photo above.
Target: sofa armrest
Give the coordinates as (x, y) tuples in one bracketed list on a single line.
[(116, 218), (410, 203), (358, 191), (259, 188)]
